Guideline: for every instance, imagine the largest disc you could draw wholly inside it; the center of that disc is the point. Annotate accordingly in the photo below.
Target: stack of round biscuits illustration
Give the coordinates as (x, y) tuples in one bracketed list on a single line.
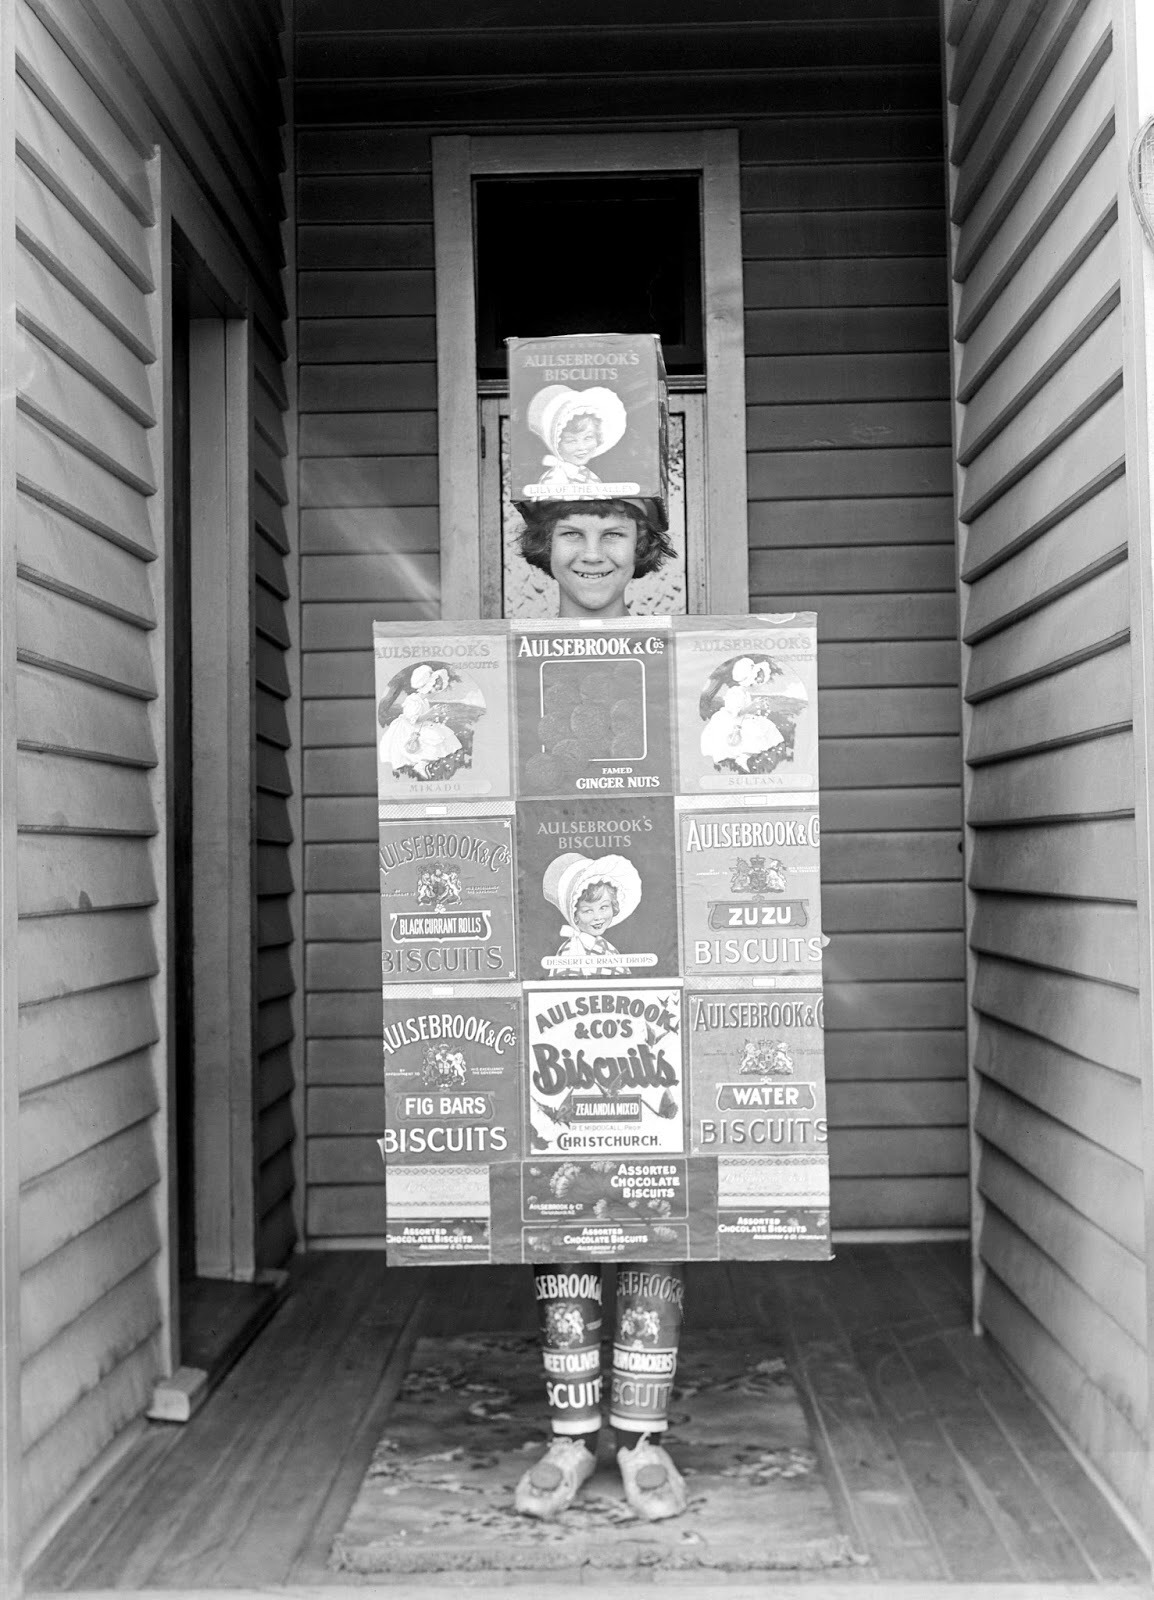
[(595, 713)]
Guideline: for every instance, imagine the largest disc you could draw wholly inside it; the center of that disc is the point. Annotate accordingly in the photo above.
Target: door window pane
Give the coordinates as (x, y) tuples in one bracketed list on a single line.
[(589, 254)]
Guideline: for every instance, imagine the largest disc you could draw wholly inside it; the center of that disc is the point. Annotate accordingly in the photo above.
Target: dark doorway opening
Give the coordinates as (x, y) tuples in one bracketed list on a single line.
[(218, 1306), (588, 253)]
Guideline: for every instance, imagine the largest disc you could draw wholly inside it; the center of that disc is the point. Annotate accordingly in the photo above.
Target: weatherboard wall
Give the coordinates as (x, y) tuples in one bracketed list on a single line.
[(848, 429), (98, 88), (1043, 533)]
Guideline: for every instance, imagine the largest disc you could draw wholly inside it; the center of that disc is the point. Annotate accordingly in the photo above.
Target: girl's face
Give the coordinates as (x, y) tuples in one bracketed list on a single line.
[(594, 912), (579, 442), (592, 558)]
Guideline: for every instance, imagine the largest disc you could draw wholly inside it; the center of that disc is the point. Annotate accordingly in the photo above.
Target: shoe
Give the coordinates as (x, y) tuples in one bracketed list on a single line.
[(653, 1486), (551, 1484)]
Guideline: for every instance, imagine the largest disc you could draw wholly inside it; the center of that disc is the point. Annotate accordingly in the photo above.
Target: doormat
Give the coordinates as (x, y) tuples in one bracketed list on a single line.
[(470, 1417)]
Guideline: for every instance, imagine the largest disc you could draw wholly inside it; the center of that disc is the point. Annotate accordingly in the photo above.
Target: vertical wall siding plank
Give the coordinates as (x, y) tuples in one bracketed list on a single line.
[(1046, 611), (273, 841), (280, 923)]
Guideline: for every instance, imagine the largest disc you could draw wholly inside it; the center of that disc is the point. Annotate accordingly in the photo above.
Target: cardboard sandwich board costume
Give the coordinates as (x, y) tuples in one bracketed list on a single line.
[(602, 942), (601, 937)]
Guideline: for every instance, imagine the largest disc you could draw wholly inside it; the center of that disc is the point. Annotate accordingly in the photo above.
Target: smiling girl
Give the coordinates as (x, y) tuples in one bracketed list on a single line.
[(593, 548)]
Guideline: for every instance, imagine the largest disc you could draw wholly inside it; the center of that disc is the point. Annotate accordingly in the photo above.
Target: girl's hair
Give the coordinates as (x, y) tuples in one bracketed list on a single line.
[(536, 540), (592, 890)]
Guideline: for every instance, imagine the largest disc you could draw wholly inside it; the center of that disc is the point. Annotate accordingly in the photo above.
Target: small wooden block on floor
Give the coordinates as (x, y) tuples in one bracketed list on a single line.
[(178, 1398)]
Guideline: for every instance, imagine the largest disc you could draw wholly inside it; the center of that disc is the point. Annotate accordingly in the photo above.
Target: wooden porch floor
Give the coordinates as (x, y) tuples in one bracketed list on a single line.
[(940, 1465)]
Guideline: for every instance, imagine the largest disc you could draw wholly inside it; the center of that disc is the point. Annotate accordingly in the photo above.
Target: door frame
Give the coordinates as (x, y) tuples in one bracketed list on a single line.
[(221, 581), (713, 153)]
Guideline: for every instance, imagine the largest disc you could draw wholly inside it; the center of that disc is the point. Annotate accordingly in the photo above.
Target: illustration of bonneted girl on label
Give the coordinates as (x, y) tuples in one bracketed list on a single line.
[(595, 894), (746, 703), (442, 712), (428, 715), (750, 708), (576, 425), (592, 895)]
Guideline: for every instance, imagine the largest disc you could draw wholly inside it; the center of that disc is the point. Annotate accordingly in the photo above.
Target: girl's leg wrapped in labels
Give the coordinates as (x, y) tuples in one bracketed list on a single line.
[(649, 1306), (650, 1301), (569, 1308)]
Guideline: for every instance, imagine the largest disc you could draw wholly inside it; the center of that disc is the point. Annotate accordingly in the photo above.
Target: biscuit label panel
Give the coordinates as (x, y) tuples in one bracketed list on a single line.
[(596, 897), (603, 1071), (603, 1190), (442, 703), (447, 899), (593, 710), (746, 704), (452, 1081), (750, 885), (756, 1072)]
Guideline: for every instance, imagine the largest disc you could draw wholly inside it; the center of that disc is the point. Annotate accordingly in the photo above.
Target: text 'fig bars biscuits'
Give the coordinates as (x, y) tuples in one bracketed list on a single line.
[(447, 899), (746, 691), (442, 713), (592, 709), (595, 894), (589, 419), (749, 881), (452, 1076)]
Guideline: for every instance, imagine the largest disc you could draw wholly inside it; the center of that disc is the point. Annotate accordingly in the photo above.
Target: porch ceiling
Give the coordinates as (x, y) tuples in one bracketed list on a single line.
[(521, 61)]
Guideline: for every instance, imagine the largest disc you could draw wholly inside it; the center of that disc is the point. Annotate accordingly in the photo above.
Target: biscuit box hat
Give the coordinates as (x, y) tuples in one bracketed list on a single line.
[(617, 378)]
